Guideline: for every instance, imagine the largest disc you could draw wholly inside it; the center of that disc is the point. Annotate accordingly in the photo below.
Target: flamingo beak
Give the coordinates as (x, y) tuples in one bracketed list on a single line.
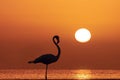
[(58, 40)]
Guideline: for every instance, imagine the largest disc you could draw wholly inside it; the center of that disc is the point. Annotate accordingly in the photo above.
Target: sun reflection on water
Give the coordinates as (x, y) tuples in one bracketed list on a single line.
[(83, 74)]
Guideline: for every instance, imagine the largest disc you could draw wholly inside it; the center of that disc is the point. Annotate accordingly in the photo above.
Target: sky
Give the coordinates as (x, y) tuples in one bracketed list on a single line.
[(27, 28)]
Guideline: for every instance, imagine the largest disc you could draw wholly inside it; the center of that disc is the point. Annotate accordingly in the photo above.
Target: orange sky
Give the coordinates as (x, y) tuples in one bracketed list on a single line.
[(27, 26)]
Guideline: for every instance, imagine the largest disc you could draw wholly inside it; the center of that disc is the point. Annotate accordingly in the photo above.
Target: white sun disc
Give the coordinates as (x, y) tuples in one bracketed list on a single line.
[(82, 35)]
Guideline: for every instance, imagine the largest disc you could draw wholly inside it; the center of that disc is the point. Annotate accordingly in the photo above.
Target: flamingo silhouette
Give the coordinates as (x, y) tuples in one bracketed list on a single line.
[(49, 58)]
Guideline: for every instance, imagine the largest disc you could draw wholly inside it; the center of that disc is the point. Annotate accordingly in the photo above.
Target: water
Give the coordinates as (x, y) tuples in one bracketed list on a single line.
[(60, 74)]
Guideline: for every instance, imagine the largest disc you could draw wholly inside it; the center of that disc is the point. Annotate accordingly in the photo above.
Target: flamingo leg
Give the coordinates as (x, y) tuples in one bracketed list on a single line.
[(46, 72)]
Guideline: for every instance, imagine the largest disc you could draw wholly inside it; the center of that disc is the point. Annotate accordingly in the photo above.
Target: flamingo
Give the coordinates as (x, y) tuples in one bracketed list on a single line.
[(49, 58)]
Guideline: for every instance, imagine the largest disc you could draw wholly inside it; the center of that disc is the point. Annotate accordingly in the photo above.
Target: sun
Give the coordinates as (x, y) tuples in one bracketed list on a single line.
[(82, 35)]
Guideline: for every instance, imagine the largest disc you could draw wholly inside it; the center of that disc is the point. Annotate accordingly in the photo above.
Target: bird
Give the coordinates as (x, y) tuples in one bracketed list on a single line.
[(49, 58)]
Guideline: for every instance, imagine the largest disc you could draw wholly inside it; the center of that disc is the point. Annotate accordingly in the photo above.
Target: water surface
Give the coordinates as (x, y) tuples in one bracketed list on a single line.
[(59, 74)]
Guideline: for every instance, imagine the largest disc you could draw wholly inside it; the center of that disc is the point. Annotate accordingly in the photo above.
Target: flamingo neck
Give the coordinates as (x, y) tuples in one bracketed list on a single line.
[(59, 51)]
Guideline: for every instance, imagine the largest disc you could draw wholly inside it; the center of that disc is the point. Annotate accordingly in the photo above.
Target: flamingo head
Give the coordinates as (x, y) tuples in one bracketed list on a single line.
[(57, 39)]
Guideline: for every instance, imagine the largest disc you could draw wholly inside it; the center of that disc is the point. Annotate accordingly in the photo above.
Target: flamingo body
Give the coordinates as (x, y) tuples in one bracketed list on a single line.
[(45, 59)]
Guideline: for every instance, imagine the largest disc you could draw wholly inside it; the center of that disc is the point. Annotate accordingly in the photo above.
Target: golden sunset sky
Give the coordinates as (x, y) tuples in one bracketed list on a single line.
[(27, 28)]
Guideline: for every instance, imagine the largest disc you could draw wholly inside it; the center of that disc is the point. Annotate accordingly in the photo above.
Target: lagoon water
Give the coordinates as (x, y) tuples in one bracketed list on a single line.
[(59, 74)]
